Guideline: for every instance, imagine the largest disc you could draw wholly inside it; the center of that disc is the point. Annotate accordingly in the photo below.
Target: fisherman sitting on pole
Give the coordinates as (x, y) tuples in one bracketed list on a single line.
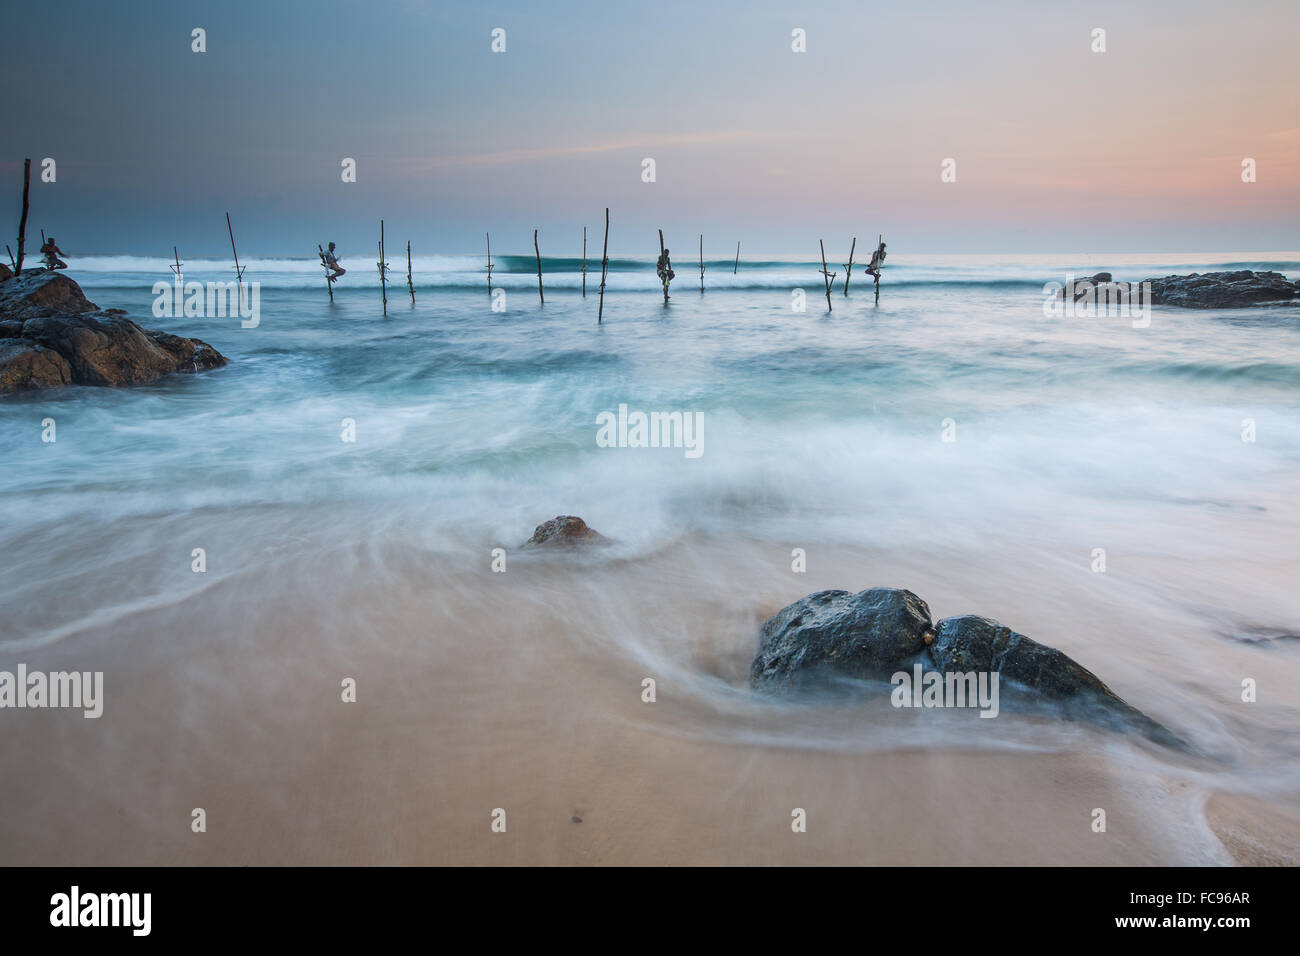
[(877, 260), (332, 263), (51, 252)]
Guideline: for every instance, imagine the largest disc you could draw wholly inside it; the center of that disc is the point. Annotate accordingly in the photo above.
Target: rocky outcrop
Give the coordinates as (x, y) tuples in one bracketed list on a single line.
[(564, 531), (970, 643), (834, 637), (862, 636), (51, 335), (5, 272), (1224, 290)]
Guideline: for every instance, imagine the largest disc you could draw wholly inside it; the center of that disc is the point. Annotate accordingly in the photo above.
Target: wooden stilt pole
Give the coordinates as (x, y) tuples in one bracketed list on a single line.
[(584, 262), (537, 249), (604, 269), (880, 239), (239, 272), (828, 276), (737, 265), (409, 283), (383, 269), (22, 223), (489, 245), (701, 262), (848, 268), (664, 277), (329, 273)]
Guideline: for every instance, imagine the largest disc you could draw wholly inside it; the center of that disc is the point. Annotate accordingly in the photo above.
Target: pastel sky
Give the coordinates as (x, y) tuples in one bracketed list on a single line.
[(1057, 148)]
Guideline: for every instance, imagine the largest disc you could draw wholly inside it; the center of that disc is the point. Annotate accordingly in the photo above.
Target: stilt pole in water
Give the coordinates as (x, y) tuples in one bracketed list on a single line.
[(239, 272), (383, 269), (664, 277), (828, 276), (329, 273), (409, 284), (848, 267), (584, 262), (22, 223), (701, 262), (537, 249), (737, 265), (881, 239), (604, 269), (489, 245)]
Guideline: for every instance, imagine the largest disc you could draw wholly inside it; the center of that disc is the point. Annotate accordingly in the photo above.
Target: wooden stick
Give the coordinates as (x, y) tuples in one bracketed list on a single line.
[(604, 268), (737, 265), (489, 245), (239, 273), (880, 238), (383, 269), (848, 268), (827, 276), (11, 255), (537, 249), (701, 262), (409, 284), (665, 275), (22, 223), (584, 262), (329, 277)]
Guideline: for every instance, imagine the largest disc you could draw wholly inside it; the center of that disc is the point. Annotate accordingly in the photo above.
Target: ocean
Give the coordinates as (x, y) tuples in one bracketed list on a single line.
[(1127, 494)]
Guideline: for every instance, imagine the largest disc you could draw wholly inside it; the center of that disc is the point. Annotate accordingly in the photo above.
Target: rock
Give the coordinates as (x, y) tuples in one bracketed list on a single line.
[(874, 634), (53, 335), (564, 531), (5, 273), (1081, 285), (24, 366), (1224, 290), (970, 643), (42, 293), (862, 636)]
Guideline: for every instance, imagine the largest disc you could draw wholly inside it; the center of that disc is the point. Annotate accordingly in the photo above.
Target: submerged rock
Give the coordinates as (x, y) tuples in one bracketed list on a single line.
[(1224, 290), (862, 636), (876, 633), (51, 335), (971, 643), (564, 531)]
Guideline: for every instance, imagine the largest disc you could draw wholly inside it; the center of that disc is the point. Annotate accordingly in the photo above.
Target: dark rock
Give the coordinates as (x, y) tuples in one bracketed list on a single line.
[(831, 634), (42, 293), (562, 531), (871, 635), (1224, 290), (53, 335), (5, 273), (24, 366), (1083, 284), (970, 643)]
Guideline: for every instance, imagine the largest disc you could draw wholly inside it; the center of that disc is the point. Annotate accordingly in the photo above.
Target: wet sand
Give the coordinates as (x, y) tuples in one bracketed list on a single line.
[(522, 691)]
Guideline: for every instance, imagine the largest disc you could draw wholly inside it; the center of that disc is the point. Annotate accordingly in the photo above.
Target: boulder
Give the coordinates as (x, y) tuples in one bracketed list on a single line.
[(971, 643), (24, 366), (564, 531), (52, 335), (831, 637), (1083, 283), (863, 636), (5, 273), (1224, 290)]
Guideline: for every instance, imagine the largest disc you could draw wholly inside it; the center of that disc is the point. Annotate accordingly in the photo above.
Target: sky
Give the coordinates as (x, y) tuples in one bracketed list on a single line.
[(1057, 148)]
